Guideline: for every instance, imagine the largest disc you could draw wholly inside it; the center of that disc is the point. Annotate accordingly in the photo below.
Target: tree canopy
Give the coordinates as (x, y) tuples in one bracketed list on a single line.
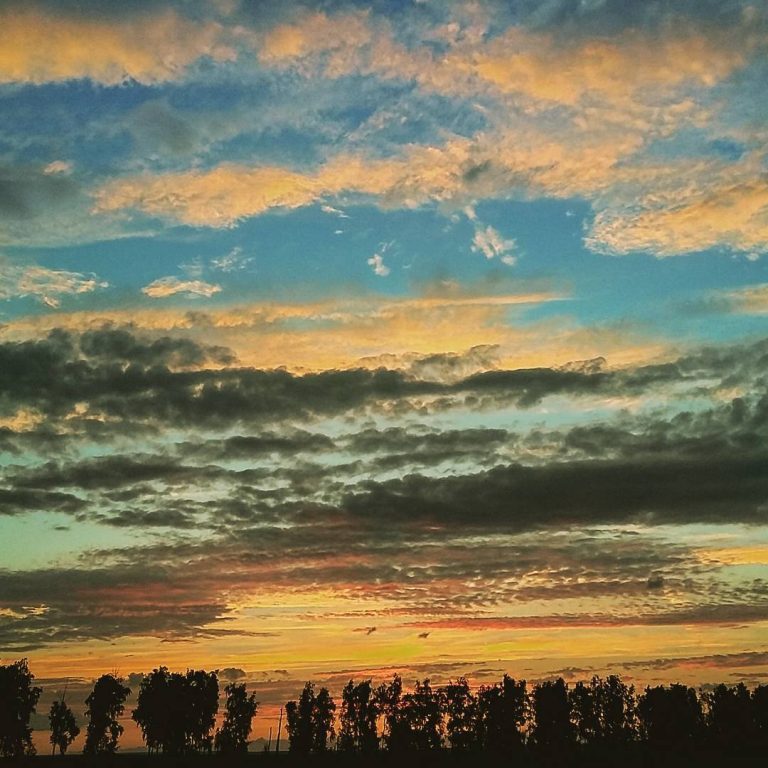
[(18, 700), (105, 703)]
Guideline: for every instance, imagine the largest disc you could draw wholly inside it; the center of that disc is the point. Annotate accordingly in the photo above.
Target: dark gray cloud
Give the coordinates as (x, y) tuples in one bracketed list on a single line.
[(15, 501), (281, 504), (27, 192), (711, 488), (130, 379), (717, 660)]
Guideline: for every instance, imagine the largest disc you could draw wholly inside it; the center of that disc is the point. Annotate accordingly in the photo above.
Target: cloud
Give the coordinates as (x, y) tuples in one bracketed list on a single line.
[(491, 244), (234, 261), (231, 674), (46, 285), (58, 166), (79, 371), (706, 615), (376, 262), (712, 214), (316, 33), (215, 198), (150, 48), (169, 286)]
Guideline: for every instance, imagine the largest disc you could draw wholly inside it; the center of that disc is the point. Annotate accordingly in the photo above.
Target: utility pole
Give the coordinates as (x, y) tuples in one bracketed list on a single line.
[(269, 743), (279, 730)]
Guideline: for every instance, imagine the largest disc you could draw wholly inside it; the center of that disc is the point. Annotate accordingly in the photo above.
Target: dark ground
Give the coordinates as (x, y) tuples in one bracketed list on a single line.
[(639, 757)]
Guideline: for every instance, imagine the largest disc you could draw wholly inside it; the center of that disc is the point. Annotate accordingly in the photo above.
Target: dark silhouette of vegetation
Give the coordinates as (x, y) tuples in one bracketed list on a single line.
[(603, 712), (64, 729), (105, 703), (177, 712), (552, 728), (360, 710), (18, 699), (462, 716), (670, 718), (310, 721), (504, 710), (413, 722), (729, 717), (589, 723), (239, 711)]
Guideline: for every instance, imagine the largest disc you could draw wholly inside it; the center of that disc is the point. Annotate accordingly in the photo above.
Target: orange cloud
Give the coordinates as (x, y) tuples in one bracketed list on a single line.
[(374, 331), (519, 60), (39, 48), (545, 69), (216, 198), (730, 213)]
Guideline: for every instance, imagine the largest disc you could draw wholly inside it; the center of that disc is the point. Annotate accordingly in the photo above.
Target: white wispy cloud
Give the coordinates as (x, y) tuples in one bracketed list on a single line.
[(57, 166), (376, 262), (489, 241), (233, 261), (46, 285)]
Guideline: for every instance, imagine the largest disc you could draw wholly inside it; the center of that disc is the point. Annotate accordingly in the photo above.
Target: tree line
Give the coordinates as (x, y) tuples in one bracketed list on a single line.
[(176, 713)]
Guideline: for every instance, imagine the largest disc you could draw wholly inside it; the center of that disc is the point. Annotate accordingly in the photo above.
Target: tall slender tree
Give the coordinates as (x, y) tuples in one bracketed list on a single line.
[(552, 729), (18, 700), (504, 710), (322, 720), (310, 720), (423, 712), (396, 734), (729, 718), (462, 715), (177, 712), (240, 709), (603, 711), (64, 728), (670, 717), (298, 716), (105, 704), (360, 708)]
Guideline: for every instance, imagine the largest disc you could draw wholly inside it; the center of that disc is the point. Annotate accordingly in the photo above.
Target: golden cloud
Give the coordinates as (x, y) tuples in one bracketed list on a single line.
[(39, 48), (372, 331), (731, 214)]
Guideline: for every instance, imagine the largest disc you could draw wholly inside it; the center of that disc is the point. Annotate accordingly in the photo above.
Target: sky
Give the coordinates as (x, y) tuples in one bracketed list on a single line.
[(345, 338)]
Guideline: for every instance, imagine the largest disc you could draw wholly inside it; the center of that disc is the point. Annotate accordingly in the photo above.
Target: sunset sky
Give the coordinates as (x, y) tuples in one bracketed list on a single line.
[(346, 338)]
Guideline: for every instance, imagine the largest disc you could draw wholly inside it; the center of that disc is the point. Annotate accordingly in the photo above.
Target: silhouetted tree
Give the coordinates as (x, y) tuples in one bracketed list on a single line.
[(462, 715), (603, 711), (63, 725), (240, 709), (729, 719), (310, 720), (360, 708), (670, 717), (154, 711), (18, 699), (503, 712), (552, 729), (422, 711), (177, 712), (396, 734), (322, 720), (299, 721), (760, 713), (203, 688), (105, 704)]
